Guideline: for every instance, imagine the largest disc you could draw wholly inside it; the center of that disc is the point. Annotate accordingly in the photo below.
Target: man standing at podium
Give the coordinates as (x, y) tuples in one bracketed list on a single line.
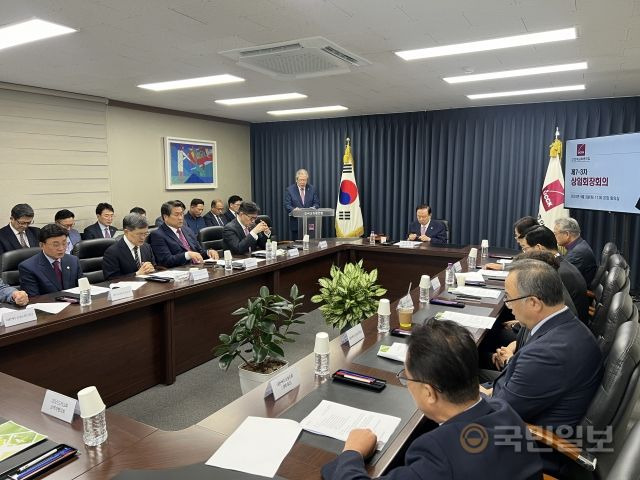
[(299, 195)]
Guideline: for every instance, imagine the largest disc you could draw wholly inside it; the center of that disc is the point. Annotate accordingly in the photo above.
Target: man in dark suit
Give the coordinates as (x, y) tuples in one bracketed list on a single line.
[(233, 203), (579, 253), (541, 238), (130, 254), (66, 219), (243, 235), (52, 269), (174, 245), (299, 195), (441, 375), (426, 230), (19, 233), (216, 217), (551, 380), (102, 228)]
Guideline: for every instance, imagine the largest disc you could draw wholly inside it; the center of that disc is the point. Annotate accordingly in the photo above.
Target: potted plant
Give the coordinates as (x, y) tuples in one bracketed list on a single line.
[(349, 295), (257, 338)]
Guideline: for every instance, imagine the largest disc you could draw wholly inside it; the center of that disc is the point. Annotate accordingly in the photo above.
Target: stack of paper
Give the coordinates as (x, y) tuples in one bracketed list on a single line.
[(473, 277), (95, 290), (407, 244), (15, 438), (466, 320), (477, 292), (397, 351), (49, 307), (173, 274), (494, 273), (134, 285)]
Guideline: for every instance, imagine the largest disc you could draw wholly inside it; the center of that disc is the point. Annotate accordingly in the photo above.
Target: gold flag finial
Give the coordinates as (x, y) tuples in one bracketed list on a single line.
[(555, 149), (348, 142)]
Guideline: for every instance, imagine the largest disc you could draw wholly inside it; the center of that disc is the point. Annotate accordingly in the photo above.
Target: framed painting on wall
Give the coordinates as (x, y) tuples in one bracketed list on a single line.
[(190, 164)]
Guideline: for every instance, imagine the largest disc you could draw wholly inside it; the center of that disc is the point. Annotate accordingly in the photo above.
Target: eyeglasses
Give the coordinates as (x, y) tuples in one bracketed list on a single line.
[(252, 217), (404, 380), (507, 300), (24, 224)]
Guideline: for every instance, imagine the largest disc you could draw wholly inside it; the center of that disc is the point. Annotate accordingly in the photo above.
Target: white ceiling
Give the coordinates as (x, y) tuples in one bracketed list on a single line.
[(123, 43)]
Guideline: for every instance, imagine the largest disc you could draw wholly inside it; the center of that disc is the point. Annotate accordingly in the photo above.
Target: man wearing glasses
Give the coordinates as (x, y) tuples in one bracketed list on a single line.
[(130, 254), (19, 233), (243, 234), (441, 375)]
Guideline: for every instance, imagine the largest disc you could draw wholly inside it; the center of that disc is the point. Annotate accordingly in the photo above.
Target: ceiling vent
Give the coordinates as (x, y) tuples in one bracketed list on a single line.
[(303, 58)]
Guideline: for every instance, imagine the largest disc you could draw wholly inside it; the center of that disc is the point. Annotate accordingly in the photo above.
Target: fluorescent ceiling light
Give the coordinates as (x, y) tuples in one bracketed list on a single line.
[(30, 31), (523, 72), (192, 82), (261, 99), (297, 111), (534, 91), (493, 44)]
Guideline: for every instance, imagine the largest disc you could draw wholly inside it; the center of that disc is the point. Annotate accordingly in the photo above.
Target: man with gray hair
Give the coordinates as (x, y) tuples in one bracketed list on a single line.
[(579, 253), (130, 254), (299, 195)]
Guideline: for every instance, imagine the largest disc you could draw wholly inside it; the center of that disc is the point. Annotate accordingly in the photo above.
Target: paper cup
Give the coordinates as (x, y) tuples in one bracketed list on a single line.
[(90, 402), (305, 238), (322, 343), (83, 284), (383, 239), (460, 279), (425, 281), (485, 243), (473, 252), (384, 307), (227, 255)]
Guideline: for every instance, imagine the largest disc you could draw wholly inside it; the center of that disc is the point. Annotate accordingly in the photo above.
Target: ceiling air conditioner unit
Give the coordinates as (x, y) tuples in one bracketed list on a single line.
[(303, 58)]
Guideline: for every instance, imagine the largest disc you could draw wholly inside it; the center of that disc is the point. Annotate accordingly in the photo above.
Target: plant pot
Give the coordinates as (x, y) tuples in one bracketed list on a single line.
[(250, 380)]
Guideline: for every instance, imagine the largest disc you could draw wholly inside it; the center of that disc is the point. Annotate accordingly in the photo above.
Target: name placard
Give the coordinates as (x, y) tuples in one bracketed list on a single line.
[(435, 283), (353, 335), (322, 244), (199, 274), (293, 252), (16, 317), (121, 293), (250, 262), (59, 406), (457, 267), (283, 383)]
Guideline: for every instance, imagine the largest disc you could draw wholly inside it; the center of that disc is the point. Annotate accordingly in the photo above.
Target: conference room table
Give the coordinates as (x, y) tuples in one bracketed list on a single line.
[(51, 353)]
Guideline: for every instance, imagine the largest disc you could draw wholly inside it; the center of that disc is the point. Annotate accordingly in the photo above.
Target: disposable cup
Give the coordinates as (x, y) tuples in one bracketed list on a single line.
[(90, 402), (322, 343)]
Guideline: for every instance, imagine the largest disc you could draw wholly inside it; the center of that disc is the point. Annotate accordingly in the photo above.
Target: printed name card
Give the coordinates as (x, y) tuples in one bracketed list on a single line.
[(405, 244), (250, 262), (457, 267), (11, 318), (353, 335), (121, 293), (293, 252), (198, 274), (59, 406), (435, 283), (322, 244), (283, 383)]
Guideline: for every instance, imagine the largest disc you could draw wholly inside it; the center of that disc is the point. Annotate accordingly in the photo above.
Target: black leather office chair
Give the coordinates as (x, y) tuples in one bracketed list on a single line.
[(9, 262), (621, 310), (615, 281), (89, 253), (627, 466), (609, 249), (446, 227), (211, 237)]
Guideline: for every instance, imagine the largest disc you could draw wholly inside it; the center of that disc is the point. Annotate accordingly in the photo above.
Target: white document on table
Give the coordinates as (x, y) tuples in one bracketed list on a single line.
[(494, 273), (174, 274), (473, 277), (50, 307), (397, 351), (477, 292), (95, 290), (467, 320), (258, 446), (134, 285), (408, 243), (336, 421)]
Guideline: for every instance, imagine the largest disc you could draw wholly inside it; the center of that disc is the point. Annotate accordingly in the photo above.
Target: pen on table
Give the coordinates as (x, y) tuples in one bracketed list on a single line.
[(465, 295), (355, 377), (61, 453), (355, 374), (37, 460)]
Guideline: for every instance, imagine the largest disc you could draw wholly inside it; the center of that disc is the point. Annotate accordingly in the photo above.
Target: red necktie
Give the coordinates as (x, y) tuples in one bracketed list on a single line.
[(185, 244), (58, 272)]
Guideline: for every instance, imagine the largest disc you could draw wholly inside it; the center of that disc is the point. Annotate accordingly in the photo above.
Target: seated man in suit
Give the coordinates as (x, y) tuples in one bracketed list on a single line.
[(193, 218), (174, 245), (66, 219), (299, 195), (520, 228), (216, 217), (130, 254), (426, 230), (579, 253), (552, 378), (19, 233), (102, 228), (442, 377), (159, 221), (243, 235), (52, 269), (233, 203)]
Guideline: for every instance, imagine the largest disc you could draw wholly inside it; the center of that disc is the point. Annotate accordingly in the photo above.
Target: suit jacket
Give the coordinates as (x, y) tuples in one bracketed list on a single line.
[(239, 243), (576, 286), (436, 231), (439, 453), (8, 241), (210, 220), (582, 257), (167, 249), (118, 261), (229, 216), (74, 237), (95, 231), (552, 379), (292, 199), (37, 276)]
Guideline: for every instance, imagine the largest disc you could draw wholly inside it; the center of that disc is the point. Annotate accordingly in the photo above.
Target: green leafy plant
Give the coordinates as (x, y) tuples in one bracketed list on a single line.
[(257, 337), (349, 295)]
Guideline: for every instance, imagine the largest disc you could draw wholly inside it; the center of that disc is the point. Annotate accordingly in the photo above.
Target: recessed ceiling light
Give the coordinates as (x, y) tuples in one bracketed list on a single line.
[(192, 82), (522, 72), (297, 111), (534, 91), (493, 44), (30, 31), (261, 99)]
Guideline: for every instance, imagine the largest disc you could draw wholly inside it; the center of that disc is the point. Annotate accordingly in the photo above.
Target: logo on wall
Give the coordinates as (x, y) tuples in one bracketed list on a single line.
[(581, 149)]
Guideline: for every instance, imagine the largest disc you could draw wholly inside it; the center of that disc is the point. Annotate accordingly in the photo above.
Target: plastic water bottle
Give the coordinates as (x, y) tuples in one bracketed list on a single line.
[(484, 252), (450, 276), (305, 243), (384, 323), (85, 292), (269, 255), (228, 261), (372, 238), (95, 429), (425, 286)]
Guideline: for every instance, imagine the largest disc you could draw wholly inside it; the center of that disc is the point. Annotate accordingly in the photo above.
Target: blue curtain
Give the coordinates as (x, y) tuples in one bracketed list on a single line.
[(480, 168)]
